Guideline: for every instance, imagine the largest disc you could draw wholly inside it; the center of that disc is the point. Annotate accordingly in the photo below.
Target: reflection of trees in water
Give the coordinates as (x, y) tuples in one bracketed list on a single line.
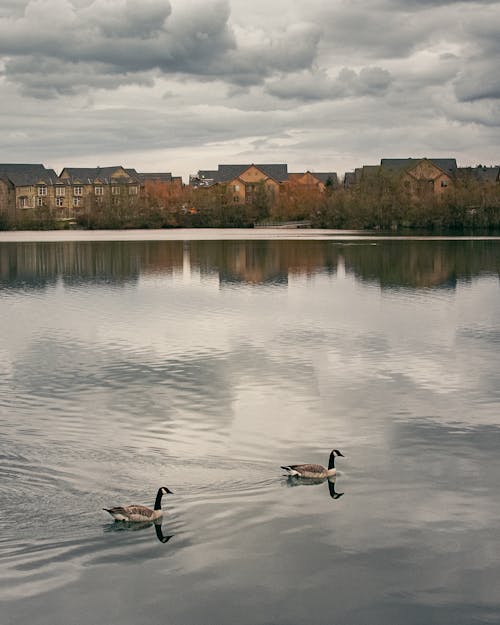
[(422, 264), (417, 264)]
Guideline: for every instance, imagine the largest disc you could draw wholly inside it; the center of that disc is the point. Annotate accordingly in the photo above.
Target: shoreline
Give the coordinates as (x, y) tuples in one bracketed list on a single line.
[(214, 234)]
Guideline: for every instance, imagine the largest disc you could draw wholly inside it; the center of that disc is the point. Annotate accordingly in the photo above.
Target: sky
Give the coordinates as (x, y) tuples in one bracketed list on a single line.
[(183, 85)]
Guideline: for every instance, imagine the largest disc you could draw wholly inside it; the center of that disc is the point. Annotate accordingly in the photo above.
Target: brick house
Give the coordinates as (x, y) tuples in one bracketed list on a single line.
[(160, 187), (25, 188), (313, 180), (243, 181), (83, 188), (422, 175)]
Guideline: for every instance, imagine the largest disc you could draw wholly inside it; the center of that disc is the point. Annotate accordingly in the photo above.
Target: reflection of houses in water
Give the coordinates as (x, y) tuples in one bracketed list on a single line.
[(262, 262), (38, 265), (413, 264)]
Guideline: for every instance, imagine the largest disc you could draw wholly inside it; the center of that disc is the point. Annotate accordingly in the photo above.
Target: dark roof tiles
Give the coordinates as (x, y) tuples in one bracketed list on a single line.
[(21, 174), (449, 165), (89, 175), (278, 172)]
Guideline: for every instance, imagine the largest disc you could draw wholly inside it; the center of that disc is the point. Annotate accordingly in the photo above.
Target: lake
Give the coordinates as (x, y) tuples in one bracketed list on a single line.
[(203, 363)]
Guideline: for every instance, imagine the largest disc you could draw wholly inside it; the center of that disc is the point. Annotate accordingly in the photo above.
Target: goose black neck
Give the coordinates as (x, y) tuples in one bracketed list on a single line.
[(159, 495), (331, 463)]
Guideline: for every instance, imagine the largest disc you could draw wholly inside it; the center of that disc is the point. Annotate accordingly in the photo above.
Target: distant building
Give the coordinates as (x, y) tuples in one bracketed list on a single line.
[(26, 187), (83, 188), (313, 180), (418, 175), (423, 175), (482, 174), (243, 181), (159, 186)]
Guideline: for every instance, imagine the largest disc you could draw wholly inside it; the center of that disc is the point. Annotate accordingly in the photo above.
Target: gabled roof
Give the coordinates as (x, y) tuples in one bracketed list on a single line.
[(325, 176), (278, 172), (89, 175), (27, 174), (448, 165), (321, 176)]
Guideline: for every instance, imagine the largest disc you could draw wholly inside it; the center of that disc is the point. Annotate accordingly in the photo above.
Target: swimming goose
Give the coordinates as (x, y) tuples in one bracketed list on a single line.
[(314, 471), (137, 513)]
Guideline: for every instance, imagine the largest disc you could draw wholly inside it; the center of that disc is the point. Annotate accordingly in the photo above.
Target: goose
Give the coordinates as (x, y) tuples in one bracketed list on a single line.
[(314, 471), (138, 513)]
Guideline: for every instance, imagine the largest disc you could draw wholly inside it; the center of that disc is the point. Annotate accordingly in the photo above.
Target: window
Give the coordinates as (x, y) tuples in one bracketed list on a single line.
[(77, 201), (98, 190), (77, 191), (236, 187), (132, 190), (42, 190), (444, 183), (115, 190), (39, 201), (59, 201), (24, 202), (60, 191), (116, 201)]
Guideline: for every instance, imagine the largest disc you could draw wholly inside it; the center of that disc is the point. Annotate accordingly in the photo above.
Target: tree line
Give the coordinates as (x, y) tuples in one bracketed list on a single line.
[(379, 202)]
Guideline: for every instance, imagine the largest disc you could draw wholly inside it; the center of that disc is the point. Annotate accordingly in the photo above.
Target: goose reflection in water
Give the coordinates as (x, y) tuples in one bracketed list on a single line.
[(127, 526), (292, 481)]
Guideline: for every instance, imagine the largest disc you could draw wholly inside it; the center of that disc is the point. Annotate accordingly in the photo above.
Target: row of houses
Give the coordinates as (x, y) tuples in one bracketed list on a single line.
[(25, 187), (244, 181), (417, 175)]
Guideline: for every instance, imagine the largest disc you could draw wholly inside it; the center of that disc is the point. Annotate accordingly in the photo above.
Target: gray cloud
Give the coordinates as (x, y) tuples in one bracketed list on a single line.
[(48, 77), (318, 85), (119, 38), (481, 81), (87, 79)]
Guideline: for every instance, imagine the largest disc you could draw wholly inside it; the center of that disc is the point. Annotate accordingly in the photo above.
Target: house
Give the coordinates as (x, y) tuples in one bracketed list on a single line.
[(481, 174), (313, 180), (159, 187), (26, 187), (204, 178), (422, 175), (90, 187), (349, 179), (365, 175), (243, 181), (7, 196), (162, 177)]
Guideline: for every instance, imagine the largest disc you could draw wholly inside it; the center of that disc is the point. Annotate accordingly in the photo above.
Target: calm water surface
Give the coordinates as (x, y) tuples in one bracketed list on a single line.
[(203, 366)]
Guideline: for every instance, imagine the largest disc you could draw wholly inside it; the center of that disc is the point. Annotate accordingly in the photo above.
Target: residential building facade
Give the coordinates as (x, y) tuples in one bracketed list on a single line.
[(26, 188), (244, 181), (84, 188)]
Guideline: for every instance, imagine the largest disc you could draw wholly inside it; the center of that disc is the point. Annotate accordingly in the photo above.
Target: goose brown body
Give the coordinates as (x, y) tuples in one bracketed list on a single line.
[(314, 471), (137, 513)]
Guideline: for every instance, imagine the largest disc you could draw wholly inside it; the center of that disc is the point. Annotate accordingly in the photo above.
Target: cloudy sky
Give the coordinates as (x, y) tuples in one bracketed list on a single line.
[(182, 85)]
